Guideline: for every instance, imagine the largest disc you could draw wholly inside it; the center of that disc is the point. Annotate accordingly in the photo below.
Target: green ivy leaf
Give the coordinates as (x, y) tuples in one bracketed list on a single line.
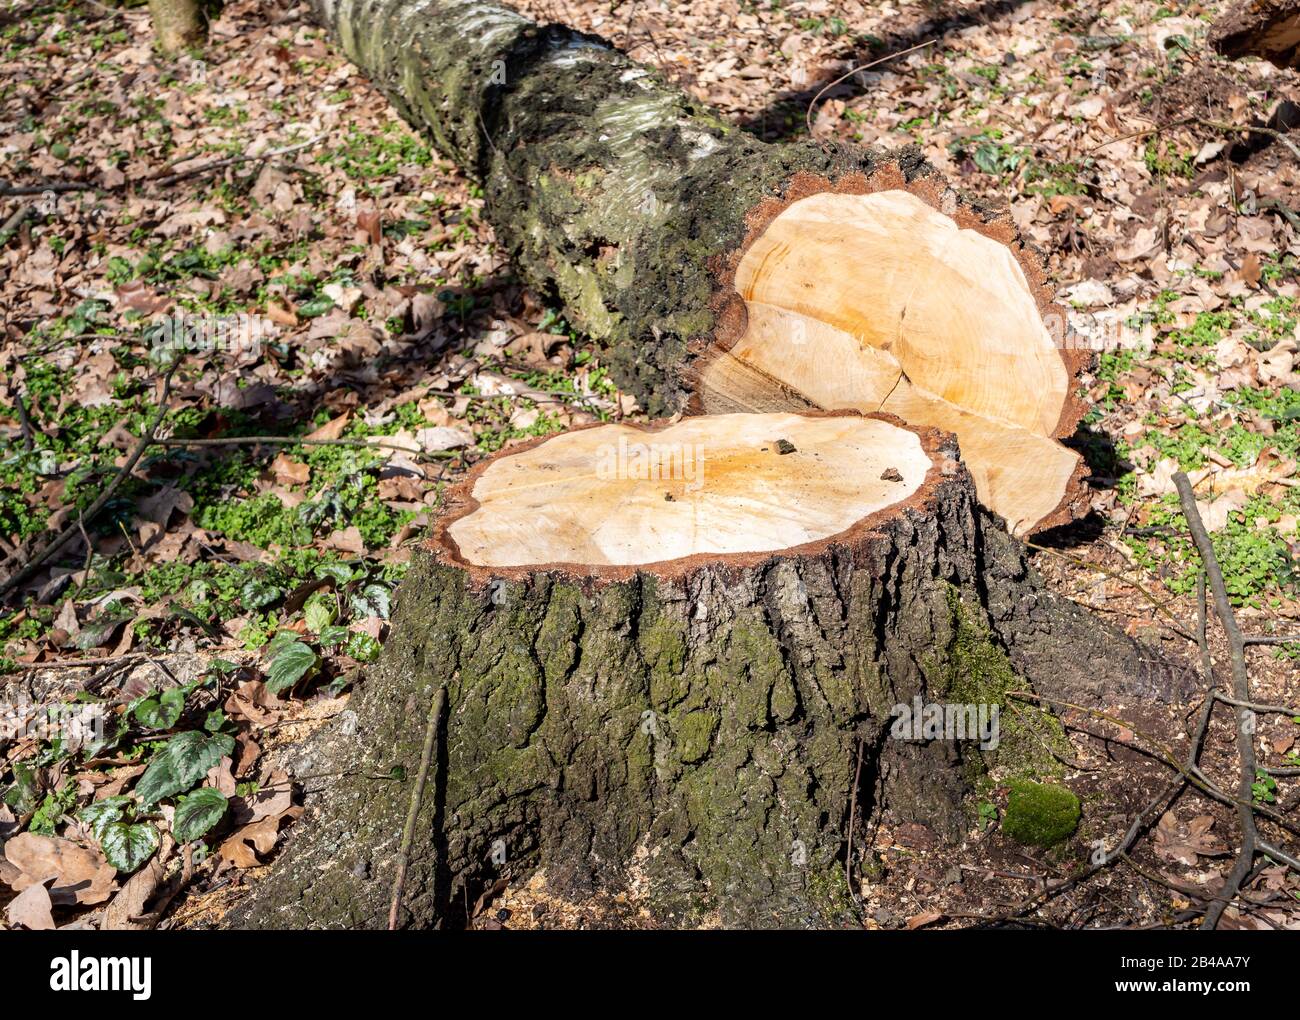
[(318, 613), (289, 664), (181, 764), (372, 600), (340, 573), (258, 593), (197, 813), (333, 635), (362, 647), (128, 846), (163, 712), (100, 814), (24, 795)]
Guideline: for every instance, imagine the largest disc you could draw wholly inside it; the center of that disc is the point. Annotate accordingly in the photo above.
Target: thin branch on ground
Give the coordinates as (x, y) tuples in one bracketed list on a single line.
[(365, 444), (1240, 689), (854, 70), (163, 181), (417, 796), (1115, 575), (221, 164)]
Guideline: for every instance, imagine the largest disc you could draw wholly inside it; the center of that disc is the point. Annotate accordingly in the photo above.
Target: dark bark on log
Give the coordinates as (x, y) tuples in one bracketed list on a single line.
[(689, 733), (612, 189)]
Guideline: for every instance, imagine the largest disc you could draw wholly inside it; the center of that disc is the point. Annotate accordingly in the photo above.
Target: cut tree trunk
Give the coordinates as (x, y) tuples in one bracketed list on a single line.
[(1260, 28), (665, 649), (724, 274)]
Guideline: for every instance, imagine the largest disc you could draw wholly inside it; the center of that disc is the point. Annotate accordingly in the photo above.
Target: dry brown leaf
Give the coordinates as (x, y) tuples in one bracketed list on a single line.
[(123, 913), (274, 796), (252, 701), (32, 909), (289, 471), (80, 875), (238, 853), (333, 428), (347, 540)]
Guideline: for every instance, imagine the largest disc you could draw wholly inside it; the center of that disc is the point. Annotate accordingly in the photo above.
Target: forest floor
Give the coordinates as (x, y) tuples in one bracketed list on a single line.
[(223, 600)]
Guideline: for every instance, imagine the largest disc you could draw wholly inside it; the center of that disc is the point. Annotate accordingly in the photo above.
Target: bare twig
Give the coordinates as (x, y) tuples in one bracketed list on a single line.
[(1219, 125), (221, 164), (1240, 689), (24, 422), (163, 181), (303, 441), (413, 812), (1116, 575), (1270, 639), (1255, 706), (1202, 617), (11, 225), (854, 70), (40, 189)]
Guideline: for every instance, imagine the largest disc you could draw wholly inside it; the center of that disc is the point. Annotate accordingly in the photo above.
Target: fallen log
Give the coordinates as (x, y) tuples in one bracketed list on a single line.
[(725, 274), (664, 649)]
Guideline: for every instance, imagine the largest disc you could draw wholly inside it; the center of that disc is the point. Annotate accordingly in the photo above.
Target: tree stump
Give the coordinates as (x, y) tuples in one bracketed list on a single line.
[(665, 649)]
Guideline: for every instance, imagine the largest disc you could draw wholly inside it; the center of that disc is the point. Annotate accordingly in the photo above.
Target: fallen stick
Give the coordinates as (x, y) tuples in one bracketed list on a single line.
[(1240, 688), (417, 795)]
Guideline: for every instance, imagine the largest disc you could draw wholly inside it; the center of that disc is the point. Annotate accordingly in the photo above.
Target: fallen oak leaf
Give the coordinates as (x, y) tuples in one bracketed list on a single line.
[(288, 471), (252, 701), (274, 796)]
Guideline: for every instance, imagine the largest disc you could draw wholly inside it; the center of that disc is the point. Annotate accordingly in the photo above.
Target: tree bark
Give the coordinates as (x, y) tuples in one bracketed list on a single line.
[(686, 729), (178, 24)]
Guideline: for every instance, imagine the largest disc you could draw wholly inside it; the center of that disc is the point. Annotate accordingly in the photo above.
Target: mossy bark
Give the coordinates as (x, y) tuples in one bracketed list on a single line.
[(692, 737), (611, 190)]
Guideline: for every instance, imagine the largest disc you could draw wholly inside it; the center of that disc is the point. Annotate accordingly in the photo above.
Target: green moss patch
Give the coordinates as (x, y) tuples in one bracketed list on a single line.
[(1040, 814)]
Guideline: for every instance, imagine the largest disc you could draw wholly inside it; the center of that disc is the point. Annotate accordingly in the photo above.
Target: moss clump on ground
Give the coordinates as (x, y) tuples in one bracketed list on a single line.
[(1040, 814)]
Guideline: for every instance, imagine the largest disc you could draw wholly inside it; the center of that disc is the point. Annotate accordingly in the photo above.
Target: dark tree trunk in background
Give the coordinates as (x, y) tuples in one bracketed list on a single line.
[(178, 24)]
